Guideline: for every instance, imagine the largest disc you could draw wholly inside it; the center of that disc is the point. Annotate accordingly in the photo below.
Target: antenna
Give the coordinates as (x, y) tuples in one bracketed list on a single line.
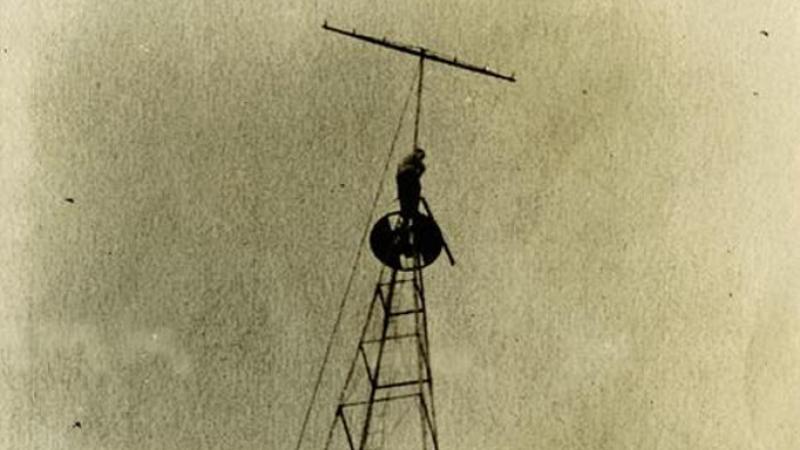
[(423, 54), (394, 347)]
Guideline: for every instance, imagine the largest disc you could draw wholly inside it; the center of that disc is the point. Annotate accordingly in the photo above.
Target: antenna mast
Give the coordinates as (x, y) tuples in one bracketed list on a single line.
[(394, 348)]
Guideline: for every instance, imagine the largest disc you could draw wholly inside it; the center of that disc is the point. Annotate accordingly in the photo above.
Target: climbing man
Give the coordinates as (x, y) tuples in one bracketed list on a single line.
[(409, 171)]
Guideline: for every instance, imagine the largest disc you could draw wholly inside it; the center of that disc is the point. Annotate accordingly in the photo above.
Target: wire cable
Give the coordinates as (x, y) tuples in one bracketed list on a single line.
[(353, 269)]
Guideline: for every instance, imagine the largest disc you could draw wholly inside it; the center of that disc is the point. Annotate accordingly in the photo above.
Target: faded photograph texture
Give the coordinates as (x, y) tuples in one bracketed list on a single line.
[(183, 187)]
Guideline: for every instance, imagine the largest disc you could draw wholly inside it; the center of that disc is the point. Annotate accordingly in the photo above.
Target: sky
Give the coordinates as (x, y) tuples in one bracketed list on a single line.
[(185, 185)]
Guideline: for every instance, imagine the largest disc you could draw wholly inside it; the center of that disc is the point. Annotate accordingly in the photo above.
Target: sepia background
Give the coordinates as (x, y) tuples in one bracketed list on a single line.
[(184, 186)]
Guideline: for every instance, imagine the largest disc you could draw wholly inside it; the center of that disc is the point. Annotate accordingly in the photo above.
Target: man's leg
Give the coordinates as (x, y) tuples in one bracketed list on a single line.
[(408, 190)]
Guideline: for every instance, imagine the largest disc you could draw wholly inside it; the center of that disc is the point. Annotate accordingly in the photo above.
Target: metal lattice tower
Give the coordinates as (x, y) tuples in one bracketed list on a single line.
[(387, 400), (396, 377), (390, 376)]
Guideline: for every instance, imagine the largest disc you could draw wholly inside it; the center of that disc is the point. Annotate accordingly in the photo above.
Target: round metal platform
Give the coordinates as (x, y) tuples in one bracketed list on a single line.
[(404, 244)]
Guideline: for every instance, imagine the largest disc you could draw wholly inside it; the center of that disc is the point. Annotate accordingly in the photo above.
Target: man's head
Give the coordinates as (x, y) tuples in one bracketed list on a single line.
[(419, 153)]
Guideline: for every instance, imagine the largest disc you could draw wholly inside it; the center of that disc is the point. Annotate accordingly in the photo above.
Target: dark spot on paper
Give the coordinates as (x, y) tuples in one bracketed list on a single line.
[(764, 33), (341, 185), (5, 50), (97, 84), (585, 91), (69, 200), (755, 93), (77, 424), (730, 294)]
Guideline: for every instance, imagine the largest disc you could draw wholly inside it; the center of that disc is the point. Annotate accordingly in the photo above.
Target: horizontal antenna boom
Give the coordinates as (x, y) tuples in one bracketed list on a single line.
[(420, 52)]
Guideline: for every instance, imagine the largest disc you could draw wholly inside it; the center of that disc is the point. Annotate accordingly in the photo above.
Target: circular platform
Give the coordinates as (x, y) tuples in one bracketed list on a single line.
[(406, 244)]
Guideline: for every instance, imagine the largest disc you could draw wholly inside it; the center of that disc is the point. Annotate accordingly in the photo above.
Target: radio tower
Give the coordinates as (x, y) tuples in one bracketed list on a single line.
[(387, 400)]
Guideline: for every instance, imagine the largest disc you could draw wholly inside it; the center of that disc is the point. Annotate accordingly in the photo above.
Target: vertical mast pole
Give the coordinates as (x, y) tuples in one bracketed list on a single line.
[(419, 97)]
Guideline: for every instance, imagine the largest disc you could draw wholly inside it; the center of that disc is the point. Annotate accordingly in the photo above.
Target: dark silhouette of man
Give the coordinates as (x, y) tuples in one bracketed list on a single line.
[(409, 188)]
